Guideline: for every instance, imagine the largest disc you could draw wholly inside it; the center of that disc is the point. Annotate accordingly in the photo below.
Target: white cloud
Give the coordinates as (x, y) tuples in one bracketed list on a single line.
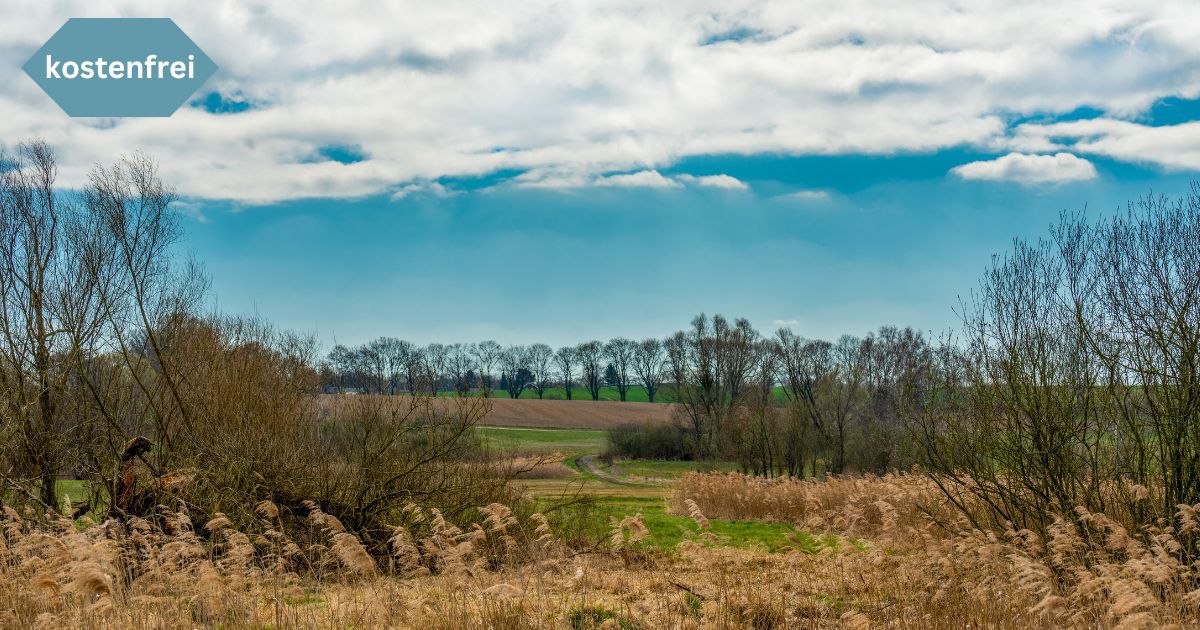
[(557, 178), (1029, 169), (640, 179), (568, 92), (434, 189), (714, 181), (786, 322), (1168, 146)]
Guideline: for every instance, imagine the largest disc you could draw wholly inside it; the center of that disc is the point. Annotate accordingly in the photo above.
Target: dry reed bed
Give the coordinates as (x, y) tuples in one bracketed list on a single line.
[(887, 566), (1090, 571)]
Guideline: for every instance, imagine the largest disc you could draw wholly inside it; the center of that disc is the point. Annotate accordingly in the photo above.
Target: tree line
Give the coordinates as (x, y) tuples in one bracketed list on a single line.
[(388, 365), (780, 404)]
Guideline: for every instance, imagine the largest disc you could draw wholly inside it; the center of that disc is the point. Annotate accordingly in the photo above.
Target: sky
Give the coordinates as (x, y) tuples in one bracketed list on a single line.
[(561, 171)]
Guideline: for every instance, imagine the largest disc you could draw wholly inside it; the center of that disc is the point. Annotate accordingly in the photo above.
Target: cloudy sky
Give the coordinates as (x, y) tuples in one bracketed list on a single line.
[(565, 170)]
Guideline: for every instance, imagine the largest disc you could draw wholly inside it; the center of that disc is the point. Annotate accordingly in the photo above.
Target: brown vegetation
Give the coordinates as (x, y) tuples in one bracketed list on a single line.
[(552, 414), (884, 563)]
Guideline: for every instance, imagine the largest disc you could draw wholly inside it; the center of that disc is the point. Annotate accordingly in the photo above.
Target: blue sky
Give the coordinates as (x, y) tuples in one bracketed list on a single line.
[(893, 240), (563, 171)]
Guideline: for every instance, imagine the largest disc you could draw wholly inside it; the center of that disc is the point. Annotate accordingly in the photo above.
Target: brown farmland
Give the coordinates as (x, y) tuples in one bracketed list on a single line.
[(574, 414), (563, 414)]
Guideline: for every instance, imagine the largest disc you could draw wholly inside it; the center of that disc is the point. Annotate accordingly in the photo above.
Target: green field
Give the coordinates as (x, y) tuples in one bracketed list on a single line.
[(668, 530), (575, 442), (663, 469)]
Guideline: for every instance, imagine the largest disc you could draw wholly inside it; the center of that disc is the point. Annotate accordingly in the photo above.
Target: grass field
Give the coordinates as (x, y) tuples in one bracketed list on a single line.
[(662, 469), (650, 477), (668, 530)]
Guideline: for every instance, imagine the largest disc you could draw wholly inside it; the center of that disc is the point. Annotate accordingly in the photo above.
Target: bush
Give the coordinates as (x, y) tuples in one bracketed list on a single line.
[(648, 441)]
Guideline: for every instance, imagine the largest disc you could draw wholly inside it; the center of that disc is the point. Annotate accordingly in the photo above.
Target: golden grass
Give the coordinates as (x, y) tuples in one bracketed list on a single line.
[(886, 564)]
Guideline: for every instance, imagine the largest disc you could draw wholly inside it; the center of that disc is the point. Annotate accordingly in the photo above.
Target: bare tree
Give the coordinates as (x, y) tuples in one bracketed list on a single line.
[(436, 365), (460, 367), (47, 309), (412, 366), (344, 364), (392, 355), (514, 370), (149, 307), (591, 364), (648, 360), (620, 352), (486, 354), (844, 390), (374, 359), (565, 361), (712, 365), (541, 359)]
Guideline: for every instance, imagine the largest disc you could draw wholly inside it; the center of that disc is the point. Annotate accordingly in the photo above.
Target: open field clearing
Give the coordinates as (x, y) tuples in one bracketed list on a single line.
[(531, 440), (567, 445), (662, 471)]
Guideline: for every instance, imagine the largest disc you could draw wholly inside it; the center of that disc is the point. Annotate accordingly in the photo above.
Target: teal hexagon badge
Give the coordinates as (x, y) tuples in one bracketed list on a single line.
[(119, 67)]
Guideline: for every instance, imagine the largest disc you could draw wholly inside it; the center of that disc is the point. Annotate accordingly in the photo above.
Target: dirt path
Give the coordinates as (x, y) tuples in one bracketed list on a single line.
[(588, 463)]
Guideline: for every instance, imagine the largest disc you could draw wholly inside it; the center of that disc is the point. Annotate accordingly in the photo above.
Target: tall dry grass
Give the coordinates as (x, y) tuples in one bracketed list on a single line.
[(1090, 571), (883, 561)]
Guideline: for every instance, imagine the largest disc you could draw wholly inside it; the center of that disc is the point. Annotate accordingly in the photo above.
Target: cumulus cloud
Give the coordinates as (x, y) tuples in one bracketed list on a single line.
[(1174, 147), (1029, 169), (567, 93)]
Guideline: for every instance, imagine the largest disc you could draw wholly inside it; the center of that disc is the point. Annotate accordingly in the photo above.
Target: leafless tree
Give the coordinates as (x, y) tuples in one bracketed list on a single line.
[(565, 360), (55, 265), (392, 355), (714, 362), (460, 366), (486, 355), (374, 359), (541, 360), (620, 353), (648, 362), (514, 370), (436, 365), (591, 363)]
